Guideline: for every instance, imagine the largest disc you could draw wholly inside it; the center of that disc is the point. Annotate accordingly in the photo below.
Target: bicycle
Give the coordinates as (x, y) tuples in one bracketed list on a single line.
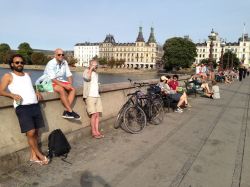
[(149, 104), (130, 101)]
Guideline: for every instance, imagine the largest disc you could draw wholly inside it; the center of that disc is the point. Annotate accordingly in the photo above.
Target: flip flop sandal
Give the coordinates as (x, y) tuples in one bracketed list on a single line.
[(35, 162), (45, 161), (97, 136)]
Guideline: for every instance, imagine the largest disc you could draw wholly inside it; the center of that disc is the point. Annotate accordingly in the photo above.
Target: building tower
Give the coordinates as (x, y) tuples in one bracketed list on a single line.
[(151, 38), (140, 36)]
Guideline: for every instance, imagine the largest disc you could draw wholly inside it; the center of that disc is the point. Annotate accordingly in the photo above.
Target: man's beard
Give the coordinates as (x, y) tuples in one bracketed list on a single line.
[(18, 68)]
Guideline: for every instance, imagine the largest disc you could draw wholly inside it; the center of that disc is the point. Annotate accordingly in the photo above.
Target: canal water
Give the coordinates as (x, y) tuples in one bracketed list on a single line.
[(103, 78)]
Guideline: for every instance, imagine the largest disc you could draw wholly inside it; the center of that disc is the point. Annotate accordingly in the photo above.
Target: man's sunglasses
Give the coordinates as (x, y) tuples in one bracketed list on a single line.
[(60, 54), (19, 62)]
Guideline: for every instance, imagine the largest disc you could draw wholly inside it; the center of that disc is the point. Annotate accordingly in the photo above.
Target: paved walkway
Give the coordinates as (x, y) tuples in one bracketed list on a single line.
[(206, 146)]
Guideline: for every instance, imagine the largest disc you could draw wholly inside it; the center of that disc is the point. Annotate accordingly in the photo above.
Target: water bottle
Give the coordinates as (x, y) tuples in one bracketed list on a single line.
[(19, 102)]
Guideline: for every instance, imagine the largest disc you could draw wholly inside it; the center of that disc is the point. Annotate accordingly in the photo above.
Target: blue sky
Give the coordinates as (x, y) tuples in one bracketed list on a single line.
[(48, 24)]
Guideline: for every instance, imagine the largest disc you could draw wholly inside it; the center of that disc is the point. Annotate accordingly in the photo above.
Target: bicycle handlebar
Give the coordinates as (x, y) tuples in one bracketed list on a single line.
[(138, 84)]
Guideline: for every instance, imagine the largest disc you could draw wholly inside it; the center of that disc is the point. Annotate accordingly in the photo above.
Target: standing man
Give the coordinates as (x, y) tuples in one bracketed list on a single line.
[(56, 70), (26, 105), (92, 96), (241, 71)]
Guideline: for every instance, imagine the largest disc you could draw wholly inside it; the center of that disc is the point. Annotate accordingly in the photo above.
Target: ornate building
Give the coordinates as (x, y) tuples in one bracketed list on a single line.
[(240, 48), (84, 52), (140, 54)]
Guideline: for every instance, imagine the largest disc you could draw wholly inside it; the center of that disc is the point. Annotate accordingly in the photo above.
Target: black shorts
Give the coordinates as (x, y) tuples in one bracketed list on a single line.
[(29, 117)]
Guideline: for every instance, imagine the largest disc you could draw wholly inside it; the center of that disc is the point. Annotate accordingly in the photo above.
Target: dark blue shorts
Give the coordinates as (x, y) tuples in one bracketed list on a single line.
[(176, 97), (29, 117)]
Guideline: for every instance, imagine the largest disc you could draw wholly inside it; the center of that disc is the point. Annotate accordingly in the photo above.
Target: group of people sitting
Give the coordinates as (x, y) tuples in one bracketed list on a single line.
[(170, 87), (200, 82)]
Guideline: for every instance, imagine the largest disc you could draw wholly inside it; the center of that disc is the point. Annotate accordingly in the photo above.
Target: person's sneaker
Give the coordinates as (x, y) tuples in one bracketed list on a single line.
[(67, 115), (179, 110), (75, 115)]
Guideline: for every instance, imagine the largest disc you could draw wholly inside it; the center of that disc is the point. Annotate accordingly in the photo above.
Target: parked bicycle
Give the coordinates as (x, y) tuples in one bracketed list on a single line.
[(140, 109)]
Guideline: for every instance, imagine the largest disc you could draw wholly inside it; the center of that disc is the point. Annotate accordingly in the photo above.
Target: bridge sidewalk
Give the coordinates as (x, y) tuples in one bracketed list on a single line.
[(208, 145)]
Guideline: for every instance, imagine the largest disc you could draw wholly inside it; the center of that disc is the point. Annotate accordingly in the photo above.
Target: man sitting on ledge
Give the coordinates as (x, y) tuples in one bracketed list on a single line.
[(55, 70)]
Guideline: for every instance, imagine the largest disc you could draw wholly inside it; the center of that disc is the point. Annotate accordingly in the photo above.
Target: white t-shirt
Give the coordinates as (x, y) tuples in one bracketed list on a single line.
[(94, 87), (197, 69)]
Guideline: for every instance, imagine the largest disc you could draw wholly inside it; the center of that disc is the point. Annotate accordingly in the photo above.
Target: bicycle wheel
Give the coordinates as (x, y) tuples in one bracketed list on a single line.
[(157, 113), (134, 119), (158, 98), (119, 118)]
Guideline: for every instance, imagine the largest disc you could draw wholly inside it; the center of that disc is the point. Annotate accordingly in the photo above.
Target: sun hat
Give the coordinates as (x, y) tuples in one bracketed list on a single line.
[(163, 78)]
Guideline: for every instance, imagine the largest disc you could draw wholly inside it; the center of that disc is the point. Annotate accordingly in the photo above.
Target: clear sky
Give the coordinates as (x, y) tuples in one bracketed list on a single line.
[(49, 24)]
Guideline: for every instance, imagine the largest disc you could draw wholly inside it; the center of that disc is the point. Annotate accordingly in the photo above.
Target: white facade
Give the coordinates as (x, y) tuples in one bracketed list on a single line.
[(240, 48), (84, 52)]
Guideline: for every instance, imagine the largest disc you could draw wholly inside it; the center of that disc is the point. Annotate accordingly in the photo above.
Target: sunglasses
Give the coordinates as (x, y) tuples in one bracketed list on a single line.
[(60, 54), (19, 62)]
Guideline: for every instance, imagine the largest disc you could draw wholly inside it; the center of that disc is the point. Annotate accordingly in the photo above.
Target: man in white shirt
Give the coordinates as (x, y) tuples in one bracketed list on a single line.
[(18, 86), (55, 70), (92, 97)]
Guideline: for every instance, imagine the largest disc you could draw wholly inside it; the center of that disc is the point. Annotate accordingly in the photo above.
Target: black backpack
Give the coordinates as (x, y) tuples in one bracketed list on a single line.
[(58, 145)]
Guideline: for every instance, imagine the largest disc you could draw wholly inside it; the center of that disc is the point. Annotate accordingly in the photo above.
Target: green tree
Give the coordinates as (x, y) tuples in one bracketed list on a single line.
[(178, 53), (25, 50), (120, 62), (5, 53), (38, 58), (111, 62), (230, 60), (102, 61), (71, 60)]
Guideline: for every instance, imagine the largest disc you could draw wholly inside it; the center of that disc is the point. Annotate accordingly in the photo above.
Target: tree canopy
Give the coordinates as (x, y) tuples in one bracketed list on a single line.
[(25, 50), (39, 58), (5, 53), (178, 53), (230, 60)]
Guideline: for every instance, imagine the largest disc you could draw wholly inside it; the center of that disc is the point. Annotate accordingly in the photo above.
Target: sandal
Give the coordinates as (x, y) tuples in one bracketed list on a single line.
[(45, 161), (97, 136), (35, 162), (101, 135)]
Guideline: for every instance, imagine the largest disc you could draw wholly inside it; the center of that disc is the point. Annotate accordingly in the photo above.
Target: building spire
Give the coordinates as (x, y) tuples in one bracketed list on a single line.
[(151, 38), (140, 36), (244, 31)]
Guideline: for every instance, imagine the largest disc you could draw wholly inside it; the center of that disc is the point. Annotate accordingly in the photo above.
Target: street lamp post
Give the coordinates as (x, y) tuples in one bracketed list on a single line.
[(228, 54), (232, 60), (221, 57), (212, 38)]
